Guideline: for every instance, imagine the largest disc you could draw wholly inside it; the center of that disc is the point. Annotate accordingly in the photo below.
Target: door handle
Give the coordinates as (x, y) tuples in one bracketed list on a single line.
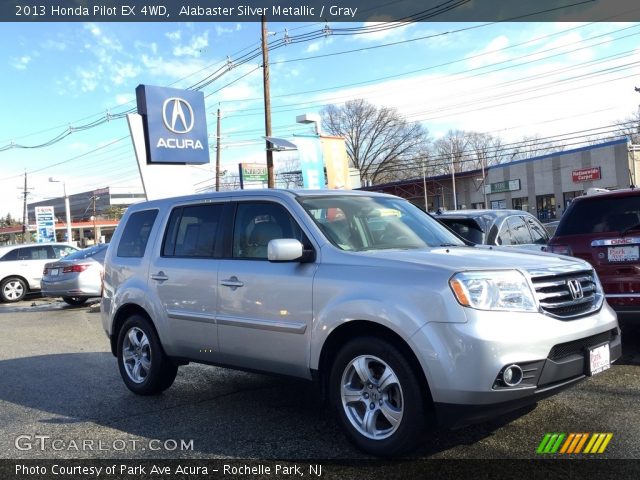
[(160, 276), (232, 282)]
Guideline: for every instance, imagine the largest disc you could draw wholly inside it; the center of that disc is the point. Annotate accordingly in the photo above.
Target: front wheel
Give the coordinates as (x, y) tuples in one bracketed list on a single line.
[(13, 289), (378, 397), (144, 367)]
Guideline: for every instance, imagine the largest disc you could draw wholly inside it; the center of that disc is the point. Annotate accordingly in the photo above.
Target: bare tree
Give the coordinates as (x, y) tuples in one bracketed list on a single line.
[(452, 152), (533, 146), (630, 128), (381, 144)]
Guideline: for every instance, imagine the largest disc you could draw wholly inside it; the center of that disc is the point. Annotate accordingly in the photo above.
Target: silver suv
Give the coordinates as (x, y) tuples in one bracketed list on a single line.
[(398, 319)]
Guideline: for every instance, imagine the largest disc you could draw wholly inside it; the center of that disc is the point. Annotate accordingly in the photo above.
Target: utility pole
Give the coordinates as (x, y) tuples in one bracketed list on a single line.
[(25, 218), (95, 229), (218, 154), (267, 101)]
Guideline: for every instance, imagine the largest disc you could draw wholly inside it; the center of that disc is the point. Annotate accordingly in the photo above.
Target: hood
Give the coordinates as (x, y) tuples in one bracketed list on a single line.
[(480, 257)]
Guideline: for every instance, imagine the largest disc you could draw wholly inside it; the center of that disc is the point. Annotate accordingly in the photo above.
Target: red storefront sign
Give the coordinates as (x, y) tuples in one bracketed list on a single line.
[(586, 174)]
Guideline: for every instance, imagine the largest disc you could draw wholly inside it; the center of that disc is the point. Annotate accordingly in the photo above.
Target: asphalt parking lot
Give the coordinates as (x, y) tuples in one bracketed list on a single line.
[(58, 380)]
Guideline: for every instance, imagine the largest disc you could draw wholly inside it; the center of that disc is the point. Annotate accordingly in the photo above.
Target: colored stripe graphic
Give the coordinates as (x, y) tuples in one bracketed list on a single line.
[(573, 443)]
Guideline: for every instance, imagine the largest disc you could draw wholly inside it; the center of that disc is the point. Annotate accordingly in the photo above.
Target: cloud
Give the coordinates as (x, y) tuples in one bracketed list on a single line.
[(21, 62), (124, 71), (124, 98), (174, 36), (492, 53), (195, 47), (220, 30)]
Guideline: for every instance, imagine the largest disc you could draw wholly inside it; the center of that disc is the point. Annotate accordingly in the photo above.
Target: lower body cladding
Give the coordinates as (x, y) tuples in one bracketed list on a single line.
[(498, 362)]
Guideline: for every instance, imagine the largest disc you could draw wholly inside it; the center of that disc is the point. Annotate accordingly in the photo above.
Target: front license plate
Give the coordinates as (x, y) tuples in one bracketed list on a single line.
[(599, 359), (623, 254)]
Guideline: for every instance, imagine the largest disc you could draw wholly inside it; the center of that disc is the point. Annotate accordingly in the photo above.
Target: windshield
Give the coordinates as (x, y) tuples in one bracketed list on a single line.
[(97, 250), (374, 223)]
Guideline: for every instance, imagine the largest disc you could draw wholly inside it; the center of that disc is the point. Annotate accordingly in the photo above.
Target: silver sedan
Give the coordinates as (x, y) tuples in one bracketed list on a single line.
[(77, 277)]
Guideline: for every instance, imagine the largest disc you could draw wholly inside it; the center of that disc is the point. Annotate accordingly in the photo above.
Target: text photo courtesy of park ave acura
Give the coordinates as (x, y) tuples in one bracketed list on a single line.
[(305, 239)]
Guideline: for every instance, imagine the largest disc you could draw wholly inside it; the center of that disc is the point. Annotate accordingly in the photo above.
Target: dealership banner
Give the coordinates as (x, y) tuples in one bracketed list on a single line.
[(175, 125), (45, 224), (336, 161), (311, 160)]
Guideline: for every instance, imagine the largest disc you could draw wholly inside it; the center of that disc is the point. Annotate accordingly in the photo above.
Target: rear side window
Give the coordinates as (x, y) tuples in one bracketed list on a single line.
[(136, 234), (612, 214), (192, 231)]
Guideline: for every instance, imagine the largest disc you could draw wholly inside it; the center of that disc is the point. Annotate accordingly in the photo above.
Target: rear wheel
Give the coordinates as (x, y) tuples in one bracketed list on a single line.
[(144, 367), (13, 289), (378, 397), (75, 300)]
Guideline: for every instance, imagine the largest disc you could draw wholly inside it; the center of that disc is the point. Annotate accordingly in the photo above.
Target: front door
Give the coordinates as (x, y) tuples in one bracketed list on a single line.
[(265, 308)]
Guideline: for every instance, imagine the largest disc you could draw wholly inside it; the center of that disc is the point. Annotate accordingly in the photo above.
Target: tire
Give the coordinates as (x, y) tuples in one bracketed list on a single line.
[(13, 289), (75, 300), (144, 367), (384, 415)]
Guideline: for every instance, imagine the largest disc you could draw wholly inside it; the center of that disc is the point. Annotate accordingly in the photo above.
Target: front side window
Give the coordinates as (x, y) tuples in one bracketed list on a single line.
[(136, 234), (256, 224), (192, 231), (357, 223), (62, 251)]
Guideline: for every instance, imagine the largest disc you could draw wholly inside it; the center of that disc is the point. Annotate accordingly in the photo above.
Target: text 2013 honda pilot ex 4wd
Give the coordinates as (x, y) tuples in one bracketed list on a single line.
[(399, 320)]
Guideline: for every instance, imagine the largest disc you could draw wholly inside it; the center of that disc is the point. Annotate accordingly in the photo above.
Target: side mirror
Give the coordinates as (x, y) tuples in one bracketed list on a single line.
[(285, 250)]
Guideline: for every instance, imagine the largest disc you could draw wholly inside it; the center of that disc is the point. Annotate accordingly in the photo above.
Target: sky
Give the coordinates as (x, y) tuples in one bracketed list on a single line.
[(506, 79)]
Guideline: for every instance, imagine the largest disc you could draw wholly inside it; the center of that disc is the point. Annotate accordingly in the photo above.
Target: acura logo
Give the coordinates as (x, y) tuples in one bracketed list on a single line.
[(575, 289), (177, 115)]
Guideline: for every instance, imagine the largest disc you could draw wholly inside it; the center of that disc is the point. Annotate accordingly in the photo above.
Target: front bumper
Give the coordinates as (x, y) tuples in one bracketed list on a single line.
[(463, 361)]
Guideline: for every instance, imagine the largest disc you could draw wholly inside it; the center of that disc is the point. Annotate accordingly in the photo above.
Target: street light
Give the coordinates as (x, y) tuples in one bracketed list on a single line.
[(67, 208), (310, 118)]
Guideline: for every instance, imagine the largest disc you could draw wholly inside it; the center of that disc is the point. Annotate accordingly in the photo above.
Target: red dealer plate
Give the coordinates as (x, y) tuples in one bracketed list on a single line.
[(623, 254), (599, 359)]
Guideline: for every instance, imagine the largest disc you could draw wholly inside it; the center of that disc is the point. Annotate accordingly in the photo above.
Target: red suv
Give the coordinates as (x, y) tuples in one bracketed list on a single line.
[(604, 229)]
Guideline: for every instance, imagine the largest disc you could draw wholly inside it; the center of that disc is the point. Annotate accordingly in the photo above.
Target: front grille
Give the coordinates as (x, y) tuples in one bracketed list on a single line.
[(577, 347), (555, 294)]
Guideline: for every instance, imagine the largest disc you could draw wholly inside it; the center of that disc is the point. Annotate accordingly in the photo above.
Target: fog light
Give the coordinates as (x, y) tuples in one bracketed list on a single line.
[(512, 375)]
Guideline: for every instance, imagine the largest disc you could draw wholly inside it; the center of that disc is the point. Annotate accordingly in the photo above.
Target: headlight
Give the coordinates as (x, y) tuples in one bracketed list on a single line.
[(503, 290)]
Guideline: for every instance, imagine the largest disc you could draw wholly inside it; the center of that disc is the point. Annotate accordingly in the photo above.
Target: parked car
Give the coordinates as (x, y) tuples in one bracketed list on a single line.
[(396, 317), (21, 267), (551, 227), (603, 228), (513, 228), (77, 277)]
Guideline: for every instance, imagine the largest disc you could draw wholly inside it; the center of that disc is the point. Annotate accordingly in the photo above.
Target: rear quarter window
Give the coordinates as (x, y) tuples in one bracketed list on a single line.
[(135, 236), (611, 214)]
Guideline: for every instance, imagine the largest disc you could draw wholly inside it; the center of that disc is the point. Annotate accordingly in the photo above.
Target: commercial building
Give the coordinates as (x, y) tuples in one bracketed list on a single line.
[(92, 213), (543, 186)]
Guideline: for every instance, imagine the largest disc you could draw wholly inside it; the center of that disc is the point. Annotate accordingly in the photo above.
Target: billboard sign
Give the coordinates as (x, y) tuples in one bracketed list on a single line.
[(175, 125), (336, 162), (499, 187), (586, 174), (311, 161), (45, 225)]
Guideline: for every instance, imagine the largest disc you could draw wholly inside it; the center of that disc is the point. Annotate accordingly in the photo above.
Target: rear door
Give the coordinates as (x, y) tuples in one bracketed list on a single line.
[(31, 262), (183, 275)]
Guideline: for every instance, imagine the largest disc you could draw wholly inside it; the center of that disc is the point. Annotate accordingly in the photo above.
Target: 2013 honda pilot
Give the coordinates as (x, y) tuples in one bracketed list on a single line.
[(398, 319)]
